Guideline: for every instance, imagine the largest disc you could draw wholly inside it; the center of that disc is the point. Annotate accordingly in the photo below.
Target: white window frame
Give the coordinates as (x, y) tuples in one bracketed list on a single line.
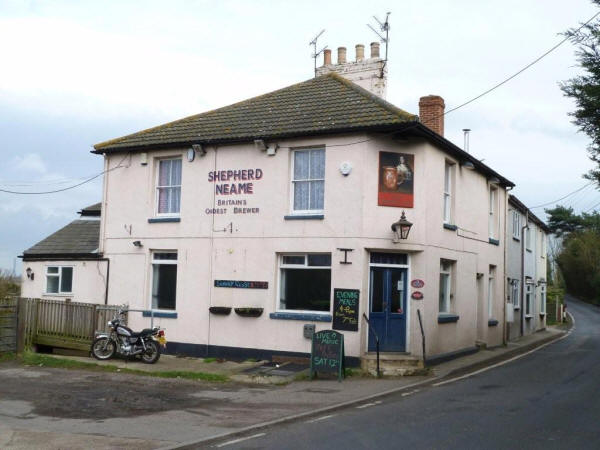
[(304, 212), (529, 236), (542, 244), (490, 294), (492, 211), (515, 290), (159, 187), (528, 299), (304, 266), (446, 273), (59, 275), (154, 262), (543, 299), (516, 223), (448, 191)]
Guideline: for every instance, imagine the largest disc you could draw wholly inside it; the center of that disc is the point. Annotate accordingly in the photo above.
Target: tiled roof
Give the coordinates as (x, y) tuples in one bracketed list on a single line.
[(521, 207), (324, 104), (78, 238)]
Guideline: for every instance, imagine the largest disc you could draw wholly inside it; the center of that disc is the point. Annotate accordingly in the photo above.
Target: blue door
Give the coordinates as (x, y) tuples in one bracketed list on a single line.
[(387, 314)]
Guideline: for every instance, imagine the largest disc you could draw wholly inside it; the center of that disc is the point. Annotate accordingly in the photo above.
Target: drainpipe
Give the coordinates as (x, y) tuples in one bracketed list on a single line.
[(523, 245), (107, 278)]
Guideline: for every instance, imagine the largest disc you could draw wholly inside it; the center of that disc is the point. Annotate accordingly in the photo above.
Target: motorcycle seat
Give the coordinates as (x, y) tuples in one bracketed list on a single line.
[(144, 332)]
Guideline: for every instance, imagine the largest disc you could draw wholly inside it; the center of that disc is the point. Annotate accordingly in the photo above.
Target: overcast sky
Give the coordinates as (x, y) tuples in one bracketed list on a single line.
[(77, 73)]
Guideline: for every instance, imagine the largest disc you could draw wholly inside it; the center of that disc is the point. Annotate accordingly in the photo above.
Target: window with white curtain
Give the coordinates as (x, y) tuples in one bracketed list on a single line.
[(491, 286), (448, 192), (528, 299), (516, 293), (308, 181), (493, 214), (516, 224), (446, 269), (168, 187), (543, 299)]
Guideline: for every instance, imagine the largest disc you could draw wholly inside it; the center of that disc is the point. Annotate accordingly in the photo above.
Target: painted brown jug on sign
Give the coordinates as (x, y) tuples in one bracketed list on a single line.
[(390, 177)]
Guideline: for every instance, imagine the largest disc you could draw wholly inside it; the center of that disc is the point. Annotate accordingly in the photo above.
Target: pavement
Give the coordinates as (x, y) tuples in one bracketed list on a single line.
[(172, 413)]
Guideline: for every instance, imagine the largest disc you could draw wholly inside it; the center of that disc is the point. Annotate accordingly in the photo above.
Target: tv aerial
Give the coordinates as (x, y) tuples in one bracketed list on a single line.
[(383, 34), (316, 54)]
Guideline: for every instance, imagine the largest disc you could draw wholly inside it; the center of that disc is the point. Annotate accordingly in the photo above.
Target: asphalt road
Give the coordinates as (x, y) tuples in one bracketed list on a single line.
[(547, 399)]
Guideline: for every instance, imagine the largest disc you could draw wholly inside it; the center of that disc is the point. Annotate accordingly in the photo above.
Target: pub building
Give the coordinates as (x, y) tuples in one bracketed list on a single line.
[(316, 206)]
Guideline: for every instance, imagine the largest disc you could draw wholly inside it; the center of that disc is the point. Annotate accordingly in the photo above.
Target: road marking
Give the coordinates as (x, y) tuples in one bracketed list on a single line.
[(410, 393), (501, 363), (235, 441), (367, 405), (321, 418)]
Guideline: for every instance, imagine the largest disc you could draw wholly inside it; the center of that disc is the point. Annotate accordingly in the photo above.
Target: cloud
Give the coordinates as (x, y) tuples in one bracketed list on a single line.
[(31, 162)]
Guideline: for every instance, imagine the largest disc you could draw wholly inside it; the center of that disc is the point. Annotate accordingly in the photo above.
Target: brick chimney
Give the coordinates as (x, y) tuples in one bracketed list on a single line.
[(431, 113), (368, 73)]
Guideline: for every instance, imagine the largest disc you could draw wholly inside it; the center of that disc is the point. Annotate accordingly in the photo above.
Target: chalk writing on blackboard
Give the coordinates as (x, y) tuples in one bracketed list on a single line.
[(327, 353), (345, 309)]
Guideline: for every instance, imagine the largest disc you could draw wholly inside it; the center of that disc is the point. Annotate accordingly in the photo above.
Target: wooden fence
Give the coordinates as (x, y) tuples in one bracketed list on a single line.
[(58, 323), (8, 325)]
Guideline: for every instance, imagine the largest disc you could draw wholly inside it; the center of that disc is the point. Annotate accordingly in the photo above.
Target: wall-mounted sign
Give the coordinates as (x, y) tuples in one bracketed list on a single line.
[(396, 171), (417, 295), (327, 353), (418, 284), (345, 309), (233, 182), (242, 284)]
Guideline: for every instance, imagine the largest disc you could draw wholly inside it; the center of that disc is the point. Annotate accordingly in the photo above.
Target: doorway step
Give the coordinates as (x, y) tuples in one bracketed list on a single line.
[(392, 364)]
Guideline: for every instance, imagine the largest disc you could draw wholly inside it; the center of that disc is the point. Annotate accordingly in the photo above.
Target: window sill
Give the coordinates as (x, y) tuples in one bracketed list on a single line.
[(529, 250), (516, 239), (494, 241), (517, 308), (447, 318), (58, 294), (164, 219), (492, 323), (304, 217), (449, 226), (528, 317), (301, 316), (542, 314), (164, 315)]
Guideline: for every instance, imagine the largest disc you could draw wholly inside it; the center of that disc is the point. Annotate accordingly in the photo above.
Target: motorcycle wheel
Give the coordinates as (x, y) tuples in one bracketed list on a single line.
[(103, 348), (152, 353)]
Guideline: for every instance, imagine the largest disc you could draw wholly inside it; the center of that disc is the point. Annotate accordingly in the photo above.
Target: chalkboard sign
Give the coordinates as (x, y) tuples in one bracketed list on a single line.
[(345, 309), (327, 354)]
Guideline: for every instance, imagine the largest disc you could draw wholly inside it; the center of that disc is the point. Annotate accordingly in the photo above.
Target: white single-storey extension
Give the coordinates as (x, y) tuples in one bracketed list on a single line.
[(67, 264)]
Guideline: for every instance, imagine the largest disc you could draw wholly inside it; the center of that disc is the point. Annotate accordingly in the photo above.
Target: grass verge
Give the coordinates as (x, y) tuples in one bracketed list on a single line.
[(7, 357), (37, 359)]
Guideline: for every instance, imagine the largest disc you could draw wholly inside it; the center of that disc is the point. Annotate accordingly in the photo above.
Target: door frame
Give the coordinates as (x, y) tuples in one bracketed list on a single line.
[(408, 287)]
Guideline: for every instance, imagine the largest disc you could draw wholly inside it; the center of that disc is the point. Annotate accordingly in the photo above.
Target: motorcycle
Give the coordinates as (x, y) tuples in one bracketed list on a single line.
[(123, 340)]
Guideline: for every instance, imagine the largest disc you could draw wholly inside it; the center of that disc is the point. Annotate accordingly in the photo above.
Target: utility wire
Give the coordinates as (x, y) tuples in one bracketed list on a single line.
[(562, 198), (496, 86), (535, 61), (118, 166)]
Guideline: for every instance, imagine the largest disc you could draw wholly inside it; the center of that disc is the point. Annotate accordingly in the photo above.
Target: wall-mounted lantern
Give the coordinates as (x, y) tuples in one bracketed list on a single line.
[(137, 244), (401, 228), (30, 274)]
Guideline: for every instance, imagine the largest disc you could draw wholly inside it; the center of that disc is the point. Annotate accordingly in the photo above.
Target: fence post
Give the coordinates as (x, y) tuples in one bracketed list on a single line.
[(21, 321)]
